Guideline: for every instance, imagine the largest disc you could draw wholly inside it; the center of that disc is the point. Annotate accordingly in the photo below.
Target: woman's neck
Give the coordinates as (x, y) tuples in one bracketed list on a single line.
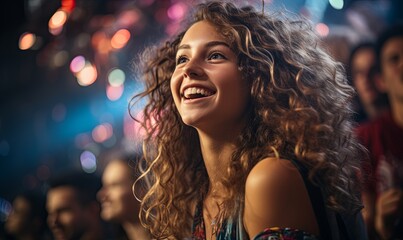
[(217, 148), (216, 154)]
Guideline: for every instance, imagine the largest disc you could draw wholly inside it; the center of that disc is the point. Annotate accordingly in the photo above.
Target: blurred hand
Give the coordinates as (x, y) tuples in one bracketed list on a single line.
[(389, 209)]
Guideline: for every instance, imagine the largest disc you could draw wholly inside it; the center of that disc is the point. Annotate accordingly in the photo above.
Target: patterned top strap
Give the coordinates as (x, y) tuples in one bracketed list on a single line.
[(229, 231)]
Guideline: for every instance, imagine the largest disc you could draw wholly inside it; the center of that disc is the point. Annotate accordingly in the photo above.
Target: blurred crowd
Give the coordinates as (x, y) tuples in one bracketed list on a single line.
[(375, 69), (376, 72), (79, 205)]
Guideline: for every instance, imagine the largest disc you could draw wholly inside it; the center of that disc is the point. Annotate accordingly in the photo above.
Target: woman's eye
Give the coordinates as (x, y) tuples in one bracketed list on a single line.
[(216, 56), (181, 59)]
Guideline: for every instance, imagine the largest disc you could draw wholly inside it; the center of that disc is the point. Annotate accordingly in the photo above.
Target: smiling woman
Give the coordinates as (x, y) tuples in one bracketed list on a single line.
[(248, 132), (207, 86)]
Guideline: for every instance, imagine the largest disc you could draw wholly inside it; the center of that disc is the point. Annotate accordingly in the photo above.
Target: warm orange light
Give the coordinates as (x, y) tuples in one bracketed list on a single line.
[(57, 21), (27, 40), (104, 46), (88, 75), (97, 38), (120, 39), (100, 42), (68, 5)]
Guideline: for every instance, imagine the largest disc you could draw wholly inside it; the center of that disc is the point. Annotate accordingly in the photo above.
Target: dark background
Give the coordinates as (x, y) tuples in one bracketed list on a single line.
[(47, 118)]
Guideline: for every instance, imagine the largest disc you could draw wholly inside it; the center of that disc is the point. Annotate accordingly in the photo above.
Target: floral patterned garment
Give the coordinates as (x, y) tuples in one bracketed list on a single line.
[(229, 231)]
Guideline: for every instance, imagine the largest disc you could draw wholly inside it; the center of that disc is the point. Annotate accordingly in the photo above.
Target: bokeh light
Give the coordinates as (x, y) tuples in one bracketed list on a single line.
[(68, 5), (116, 77), (88, 162), (102, 132), (27, 40), (322, 29), (120, 38), (100, 42), (57, 21), (114, 93), (77, 64), (88, 75), (5, 209), (176, 11), (337, 4)]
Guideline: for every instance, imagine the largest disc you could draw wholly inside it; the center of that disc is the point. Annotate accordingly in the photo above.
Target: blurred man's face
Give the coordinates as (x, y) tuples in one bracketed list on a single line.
[(392, 68), (117, 200), (361, 65), (20, 218), (66, 217)]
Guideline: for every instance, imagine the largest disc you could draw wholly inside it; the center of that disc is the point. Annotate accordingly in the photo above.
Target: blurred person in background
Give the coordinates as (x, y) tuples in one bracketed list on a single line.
[(365, 78), (73, 210), (118, 203), (27, 221), (383, 137), (337, 45)]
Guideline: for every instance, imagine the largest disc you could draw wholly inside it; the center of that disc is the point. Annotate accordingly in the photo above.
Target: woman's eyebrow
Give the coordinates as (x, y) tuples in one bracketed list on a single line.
[(208, 45)]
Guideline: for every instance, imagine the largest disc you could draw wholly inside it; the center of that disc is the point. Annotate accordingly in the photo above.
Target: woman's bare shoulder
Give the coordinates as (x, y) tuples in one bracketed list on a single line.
[(275, 196)]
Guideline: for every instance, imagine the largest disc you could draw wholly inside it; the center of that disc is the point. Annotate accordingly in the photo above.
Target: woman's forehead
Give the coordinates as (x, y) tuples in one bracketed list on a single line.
[(202, 31)]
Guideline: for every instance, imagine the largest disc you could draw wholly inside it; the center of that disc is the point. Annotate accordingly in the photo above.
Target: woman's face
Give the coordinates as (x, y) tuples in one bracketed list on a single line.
[(207, 86)]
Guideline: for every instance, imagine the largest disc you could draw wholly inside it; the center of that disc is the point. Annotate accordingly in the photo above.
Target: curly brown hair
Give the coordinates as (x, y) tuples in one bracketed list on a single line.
[(300, 109)]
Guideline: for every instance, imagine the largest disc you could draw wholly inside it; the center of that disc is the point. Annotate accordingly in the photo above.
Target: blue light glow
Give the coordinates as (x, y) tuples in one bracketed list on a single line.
[(337, 4), (88, 162)]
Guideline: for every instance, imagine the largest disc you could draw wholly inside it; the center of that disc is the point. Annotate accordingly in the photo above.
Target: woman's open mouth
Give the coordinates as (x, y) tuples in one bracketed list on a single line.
[(196, 92)]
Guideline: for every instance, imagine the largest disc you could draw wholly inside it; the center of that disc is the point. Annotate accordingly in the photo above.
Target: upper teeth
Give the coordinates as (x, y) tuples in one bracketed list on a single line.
[(195, 90)]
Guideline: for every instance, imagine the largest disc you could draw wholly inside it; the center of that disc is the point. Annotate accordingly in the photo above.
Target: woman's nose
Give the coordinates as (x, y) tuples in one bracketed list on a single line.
[(193, 69)]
